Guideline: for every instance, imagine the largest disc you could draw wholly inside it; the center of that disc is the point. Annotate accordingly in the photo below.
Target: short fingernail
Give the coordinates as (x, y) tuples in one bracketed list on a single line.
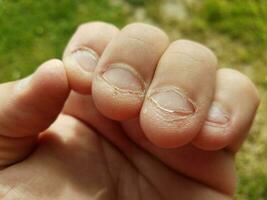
[(86, 58), (122, 77), (173, 101), (217, 116), (24, 83)]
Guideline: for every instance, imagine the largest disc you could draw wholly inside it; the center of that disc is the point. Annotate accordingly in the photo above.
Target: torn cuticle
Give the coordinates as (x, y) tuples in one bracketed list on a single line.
[(120, 90), (84, 48)]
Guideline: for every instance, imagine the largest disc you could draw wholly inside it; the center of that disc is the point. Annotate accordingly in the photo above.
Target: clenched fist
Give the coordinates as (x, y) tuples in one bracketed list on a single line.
[(127, 115)]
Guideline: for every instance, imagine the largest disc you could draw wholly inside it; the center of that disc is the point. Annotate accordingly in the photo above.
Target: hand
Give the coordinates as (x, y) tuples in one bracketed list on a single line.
[(149, 119)]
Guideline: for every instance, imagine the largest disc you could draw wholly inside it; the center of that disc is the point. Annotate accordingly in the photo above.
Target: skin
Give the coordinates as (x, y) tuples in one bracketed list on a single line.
[(99, 127)]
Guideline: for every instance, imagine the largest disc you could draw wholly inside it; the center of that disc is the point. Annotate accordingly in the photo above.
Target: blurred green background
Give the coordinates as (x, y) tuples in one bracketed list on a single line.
[(34, 31)]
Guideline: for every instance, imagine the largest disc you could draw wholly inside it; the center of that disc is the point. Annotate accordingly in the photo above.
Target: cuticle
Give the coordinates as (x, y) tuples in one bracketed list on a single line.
[(84, 48), (181, 113), (221, 125), (120, 90), (217, 125), (123, 66), (225, 115)]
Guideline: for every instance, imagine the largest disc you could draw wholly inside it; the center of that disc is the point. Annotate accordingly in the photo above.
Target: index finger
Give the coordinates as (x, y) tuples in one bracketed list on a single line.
[(83, 51)]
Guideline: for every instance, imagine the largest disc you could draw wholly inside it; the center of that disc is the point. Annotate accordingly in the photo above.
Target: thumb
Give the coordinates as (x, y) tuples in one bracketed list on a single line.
[(28, 107)]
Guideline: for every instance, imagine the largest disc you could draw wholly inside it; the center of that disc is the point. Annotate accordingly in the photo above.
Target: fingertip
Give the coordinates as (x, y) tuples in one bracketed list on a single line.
[(95, 35), (231, 115), (212, 139), (28, 107), (114, 103), (180, 94), (82, 54), (46, 88), (78, 78), (37, 99), (167, 130), (126, 69), (51, 78)]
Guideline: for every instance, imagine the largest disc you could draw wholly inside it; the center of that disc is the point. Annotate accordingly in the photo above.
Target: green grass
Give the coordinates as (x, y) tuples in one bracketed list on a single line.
[(240, 19), (34, 31)]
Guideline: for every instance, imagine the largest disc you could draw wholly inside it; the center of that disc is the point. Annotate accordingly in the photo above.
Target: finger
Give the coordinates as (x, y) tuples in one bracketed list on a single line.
[(83, 51), (233, 110), (180, 94), (28, 107), (126, 69)]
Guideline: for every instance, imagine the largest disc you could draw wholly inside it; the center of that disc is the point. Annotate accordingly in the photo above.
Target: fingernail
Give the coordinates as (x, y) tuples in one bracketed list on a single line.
[(217, 116), (24, 82), (123, 77), (173, 101), (86, 58)]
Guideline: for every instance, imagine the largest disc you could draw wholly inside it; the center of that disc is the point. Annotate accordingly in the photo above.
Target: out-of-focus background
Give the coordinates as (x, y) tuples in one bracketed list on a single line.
[(32, 31)]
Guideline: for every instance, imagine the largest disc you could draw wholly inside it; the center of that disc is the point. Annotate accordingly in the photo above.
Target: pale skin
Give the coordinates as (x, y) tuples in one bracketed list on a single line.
[(127, 115)]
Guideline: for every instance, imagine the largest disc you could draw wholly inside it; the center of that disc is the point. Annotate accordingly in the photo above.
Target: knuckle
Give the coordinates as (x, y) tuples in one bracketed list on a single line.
[(54, 62), (244, 84), (195, 51), (141, 30), (96, 25)]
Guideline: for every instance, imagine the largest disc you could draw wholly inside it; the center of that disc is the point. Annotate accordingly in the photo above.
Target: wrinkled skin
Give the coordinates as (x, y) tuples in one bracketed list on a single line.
[(59, 144), (74, 160)]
